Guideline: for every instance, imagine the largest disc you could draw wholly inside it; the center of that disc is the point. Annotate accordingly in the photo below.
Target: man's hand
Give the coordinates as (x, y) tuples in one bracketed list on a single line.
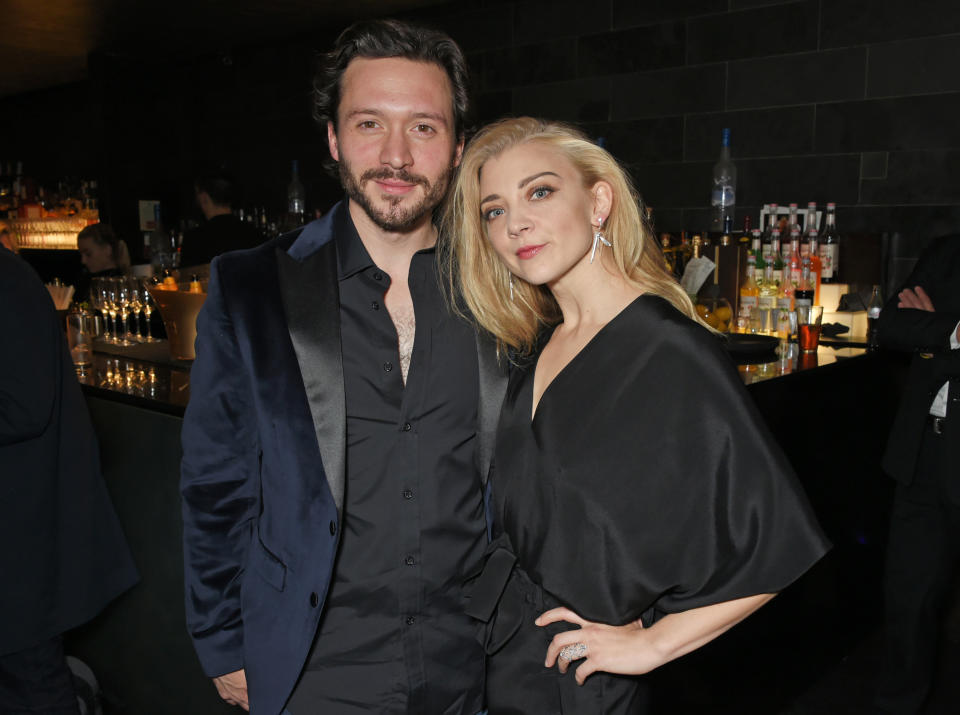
[(916, 299), (233, 688)]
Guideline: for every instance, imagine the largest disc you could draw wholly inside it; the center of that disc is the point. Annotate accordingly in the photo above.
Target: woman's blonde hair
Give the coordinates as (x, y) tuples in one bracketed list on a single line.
[(481, 283)]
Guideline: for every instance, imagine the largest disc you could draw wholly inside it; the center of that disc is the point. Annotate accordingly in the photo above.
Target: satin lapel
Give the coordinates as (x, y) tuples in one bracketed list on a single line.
[(493, 386), (311, 301)]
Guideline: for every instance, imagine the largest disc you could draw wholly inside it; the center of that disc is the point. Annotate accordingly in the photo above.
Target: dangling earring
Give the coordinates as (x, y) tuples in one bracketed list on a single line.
[(598, 239), (511, 286)]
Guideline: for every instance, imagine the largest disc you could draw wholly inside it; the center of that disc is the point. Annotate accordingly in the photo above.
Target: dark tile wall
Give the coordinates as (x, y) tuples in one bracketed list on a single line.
[(852, 101)]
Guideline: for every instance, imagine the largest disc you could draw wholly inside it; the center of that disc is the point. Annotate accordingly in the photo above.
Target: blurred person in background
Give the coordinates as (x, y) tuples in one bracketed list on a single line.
[(103, 255), (6, 237), (222, 231), (63, 556)]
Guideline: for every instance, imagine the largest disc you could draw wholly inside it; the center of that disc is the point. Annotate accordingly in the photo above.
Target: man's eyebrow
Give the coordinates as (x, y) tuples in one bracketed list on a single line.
[(433, 116)]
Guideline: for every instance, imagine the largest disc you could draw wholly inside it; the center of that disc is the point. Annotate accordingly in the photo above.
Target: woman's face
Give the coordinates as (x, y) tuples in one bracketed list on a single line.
[(95, 256), (539, 216)]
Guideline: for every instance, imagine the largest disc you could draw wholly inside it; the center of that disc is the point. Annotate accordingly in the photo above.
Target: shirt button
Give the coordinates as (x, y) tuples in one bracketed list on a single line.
[(410, 561), (408, 494), (411, 620), (375, 305), (407, 427), (333, 528), (314, 600), (378, 276), (387, 366)]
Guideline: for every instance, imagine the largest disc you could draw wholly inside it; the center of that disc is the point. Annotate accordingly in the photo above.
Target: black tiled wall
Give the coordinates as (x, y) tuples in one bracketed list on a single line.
[(851, 101)]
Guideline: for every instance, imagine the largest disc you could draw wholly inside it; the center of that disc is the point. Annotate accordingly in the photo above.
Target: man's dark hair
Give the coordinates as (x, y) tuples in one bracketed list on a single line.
[(218, 186), (378, 39)]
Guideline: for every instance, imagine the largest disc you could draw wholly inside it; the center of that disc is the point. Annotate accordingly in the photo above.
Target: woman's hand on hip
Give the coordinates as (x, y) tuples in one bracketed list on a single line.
[(612, 649)]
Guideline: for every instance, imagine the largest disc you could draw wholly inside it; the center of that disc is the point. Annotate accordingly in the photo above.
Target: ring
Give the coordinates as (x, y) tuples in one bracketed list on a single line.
[(573, 651)]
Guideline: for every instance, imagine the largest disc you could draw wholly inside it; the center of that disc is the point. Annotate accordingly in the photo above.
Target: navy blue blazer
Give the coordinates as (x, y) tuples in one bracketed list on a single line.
[(64, 556), (264, 444)]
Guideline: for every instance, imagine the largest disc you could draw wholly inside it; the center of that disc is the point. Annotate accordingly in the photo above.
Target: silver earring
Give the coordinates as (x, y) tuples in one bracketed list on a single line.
[(598, 240), (511, 286)]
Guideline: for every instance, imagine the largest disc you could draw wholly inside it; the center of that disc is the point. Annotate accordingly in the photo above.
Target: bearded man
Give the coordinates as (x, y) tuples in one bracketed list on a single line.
[(336, 444)]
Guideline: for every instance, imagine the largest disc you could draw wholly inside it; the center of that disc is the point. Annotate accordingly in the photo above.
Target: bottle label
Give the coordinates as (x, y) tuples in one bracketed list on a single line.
[(828, 260), (783, 302), (768, 302), (749, 302)]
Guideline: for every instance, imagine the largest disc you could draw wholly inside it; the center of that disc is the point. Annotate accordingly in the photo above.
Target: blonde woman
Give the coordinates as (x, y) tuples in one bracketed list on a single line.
[(641, 506)]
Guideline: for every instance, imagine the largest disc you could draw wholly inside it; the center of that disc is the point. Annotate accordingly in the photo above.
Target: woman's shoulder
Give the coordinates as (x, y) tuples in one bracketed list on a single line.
[(655, 322)]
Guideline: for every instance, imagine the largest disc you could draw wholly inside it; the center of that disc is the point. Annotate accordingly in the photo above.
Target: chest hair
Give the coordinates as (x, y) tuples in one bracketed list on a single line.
[(405, 321)]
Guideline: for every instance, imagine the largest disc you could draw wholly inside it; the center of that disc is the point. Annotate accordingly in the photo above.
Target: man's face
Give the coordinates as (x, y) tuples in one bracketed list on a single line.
[(396, 144)]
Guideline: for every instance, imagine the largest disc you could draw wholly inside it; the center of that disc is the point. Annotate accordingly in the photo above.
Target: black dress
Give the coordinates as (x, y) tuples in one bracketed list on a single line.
[(646, 484)]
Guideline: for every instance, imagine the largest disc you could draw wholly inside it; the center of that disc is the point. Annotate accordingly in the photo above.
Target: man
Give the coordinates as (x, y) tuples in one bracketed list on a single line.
[(222, 231), (338, 436), (63, 556), (923, 454)]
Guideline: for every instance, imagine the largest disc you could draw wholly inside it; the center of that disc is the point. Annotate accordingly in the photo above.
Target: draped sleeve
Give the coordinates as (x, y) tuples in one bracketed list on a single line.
[(648, 482)]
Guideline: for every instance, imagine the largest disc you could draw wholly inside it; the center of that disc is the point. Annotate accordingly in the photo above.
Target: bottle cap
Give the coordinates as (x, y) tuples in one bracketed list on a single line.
[(831, 206)]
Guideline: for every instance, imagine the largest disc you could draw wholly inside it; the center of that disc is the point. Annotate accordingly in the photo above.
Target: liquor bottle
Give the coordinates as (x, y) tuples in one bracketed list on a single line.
[(767, 235), (873, 316), (803, 295), (767, 300), (816, 267), (792, 223), (749, 292), (757, 251), (723, 198), (809, 224), (775, 256), (296, 195), (830, 247), (794, 261)]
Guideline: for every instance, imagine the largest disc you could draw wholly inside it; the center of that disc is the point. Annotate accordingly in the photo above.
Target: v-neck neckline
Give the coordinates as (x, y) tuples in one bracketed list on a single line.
[(534, 410)]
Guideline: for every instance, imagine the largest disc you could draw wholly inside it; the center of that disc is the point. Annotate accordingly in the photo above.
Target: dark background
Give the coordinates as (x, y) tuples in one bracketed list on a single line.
[(850, 101)]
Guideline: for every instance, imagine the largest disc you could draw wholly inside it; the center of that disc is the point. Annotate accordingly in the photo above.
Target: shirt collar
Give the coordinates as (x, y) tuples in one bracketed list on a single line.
[(352, 256)]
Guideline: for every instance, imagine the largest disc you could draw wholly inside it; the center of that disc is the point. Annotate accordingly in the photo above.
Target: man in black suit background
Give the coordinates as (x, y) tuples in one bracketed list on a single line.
[(63, 556), (221, 230), (923, 455)]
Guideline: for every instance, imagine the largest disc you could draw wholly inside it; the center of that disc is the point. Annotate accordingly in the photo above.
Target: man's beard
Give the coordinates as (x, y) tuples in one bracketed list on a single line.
[(395, 217)]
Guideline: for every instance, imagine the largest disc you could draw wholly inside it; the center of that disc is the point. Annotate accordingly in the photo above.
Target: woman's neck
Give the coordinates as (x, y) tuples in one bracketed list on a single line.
[(591, 295)]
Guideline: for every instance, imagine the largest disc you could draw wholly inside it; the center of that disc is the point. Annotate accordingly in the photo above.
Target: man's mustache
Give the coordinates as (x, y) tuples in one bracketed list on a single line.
[(388, 174)]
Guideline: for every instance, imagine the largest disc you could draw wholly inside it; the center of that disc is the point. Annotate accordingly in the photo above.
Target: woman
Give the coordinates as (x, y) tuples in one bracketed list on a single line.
[(637, 488), (102, 253)]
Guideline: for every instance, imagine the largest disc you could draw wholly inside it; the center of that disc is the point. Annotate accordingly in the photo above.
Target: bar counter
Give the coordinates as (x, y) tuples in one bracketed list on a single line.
[(822, 408)]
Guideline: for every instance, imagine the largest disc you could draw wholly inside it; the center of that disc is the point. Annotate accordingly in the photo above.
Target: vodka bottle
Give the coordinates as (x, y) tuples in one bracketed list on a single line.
[(295, 194), (723, 199)]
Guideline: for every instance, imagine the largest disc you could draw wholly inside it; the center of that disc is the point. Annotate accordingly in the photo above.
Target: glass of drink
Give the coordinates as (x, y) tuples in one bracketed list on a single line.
[(809, 318), (81, 330)]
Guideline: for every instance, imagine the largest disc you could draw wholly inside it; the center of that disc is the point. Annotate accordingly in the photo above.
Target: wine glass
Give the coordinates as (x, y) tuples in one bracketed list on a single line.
[(124, 299), (100, 298), (118, 307), (147, 305), (136, 306)]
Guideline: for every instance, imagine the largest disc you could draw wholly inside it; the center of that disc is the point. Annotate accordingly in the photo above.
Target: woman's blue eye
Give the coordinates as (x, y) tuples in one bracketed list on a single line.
[(492, 214), (541, 192)]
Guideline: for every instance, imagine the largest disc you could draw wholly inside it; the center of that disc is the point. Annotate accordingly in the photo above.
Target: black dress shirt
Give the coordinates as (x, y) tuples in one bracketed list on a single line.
[(393, 637)]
